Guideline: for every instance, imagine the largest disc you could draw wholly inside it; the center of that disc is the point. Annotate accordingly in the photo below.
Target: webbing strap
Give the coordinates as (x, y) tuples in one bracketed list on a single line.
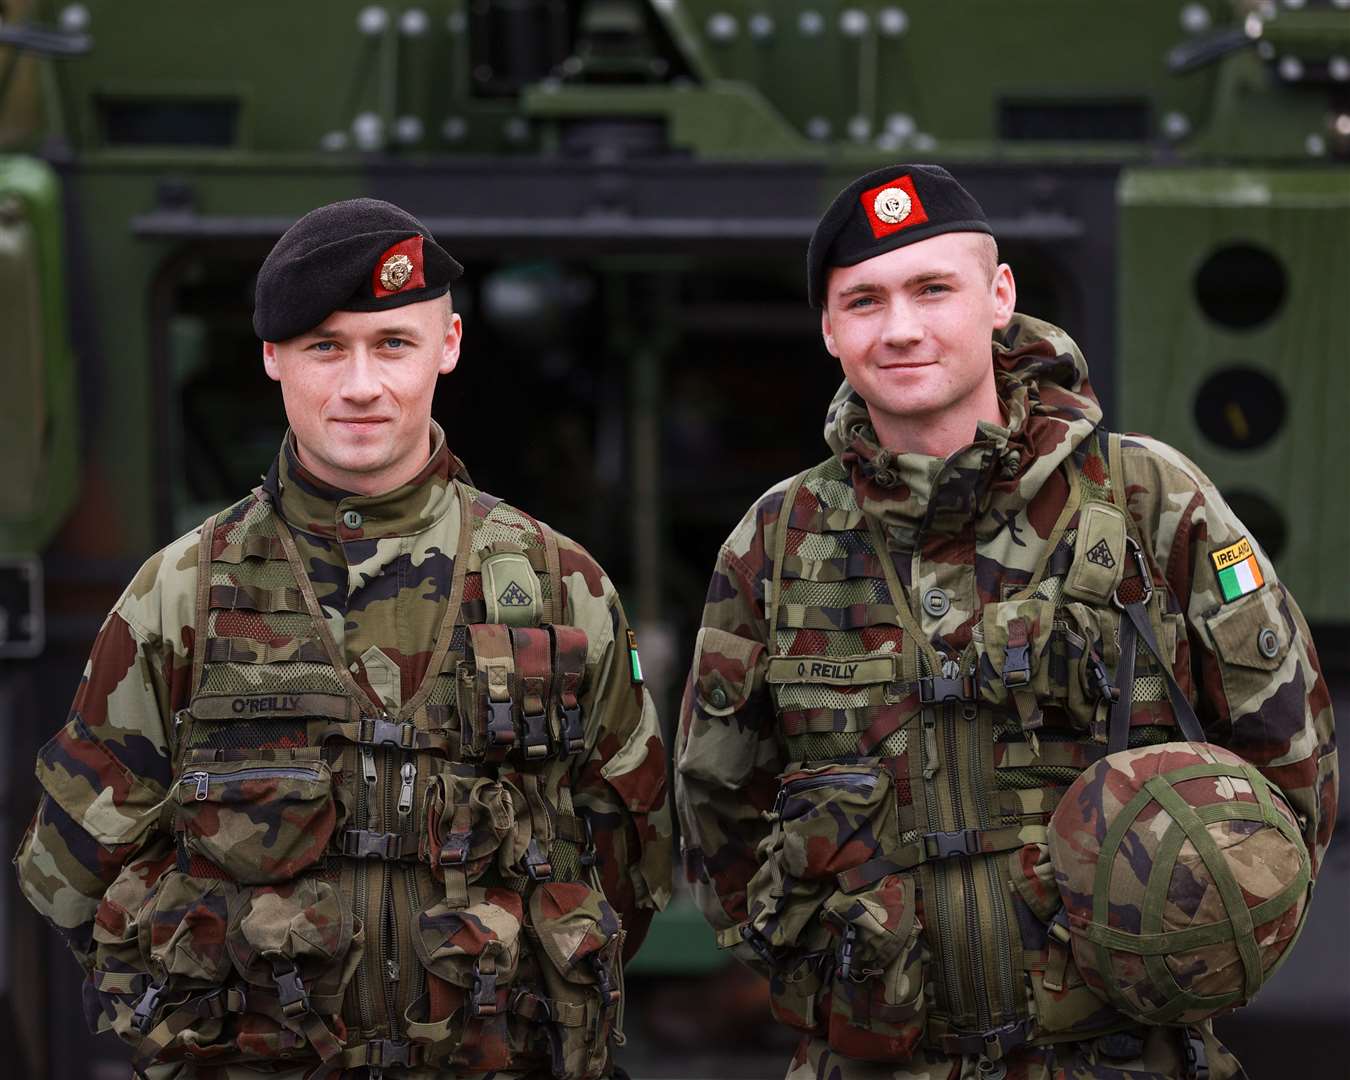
[(931, 847), (254, 598), (378, 731), (533, 652), (496, 666), (569, 659), (212, 1005), (782, 525), (248, 651), (1135, 627), (900, 599)]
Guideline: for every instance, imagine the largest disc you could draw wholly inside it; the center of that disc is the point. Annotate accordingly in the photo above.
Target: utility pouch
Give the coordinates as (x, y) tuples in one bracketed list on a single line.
[(1062, 1003), (471, 953), (486, 688), (297, 946), (877, 1003), (256, 821), (580, 951), (121, 972), (1091, 649), (533, 653), (1014, 669), (825, 821), (471, 821), (569, 668)]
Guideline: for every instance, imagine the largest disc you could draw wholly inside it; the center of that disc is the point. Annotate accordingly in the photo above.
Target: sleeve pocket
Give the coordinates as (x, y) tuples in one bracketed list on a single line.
[(95, 789), (726, 670), (1253, 632)]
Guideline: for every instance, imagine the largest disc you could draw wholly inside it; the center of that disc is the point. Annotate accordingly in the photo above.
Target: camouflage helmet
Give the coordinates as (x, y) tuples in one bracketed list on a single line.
[(1184, 879)]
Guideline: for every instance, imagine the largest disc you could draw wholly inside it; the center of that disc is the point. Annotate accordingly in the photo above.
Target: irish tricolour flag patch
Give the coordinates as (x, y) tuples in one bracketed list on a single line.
[(1239, 573)]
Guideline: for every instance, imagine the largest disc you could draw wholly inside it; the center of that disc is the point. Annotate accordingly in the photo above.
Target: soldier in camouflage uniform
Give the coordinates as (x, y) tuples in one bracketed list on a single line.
[(361, 778), (909, 651)]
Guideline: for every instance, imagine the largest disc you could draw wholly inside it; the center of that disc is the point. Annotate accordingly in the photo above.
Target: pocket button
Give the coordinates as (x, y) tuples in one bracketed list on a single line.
[(1268, 643), (936, 602), (718, 698)]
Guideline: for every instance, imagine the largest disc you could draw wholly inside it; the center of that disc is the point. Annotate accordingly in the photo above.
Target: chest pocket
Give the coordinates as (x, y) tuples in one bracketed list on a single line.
[(832, 695)]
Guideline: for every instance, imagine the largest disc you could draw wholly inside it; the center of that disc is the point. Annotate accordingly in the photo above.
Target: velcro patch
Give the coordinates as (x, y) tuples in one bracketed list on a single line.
[(833, 670), (1237, 569)]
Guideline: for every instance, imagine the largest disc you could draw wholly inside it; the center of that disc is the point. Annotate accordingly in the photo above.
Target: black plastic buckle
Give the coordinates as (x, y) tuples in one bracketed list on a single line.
[(536, 735), (609, 993), (1133, 551), (1017, 665), (574, 734), (367, 844), (291, 992), (537, 864), (1197, 1061), (943, 845), (1101, 681), (455, 851), (146, 1007), (384, 732), (385, 1052), (846, 952), (484, 993), (588, 857), (938, 690), (757, 942), (501, 731)]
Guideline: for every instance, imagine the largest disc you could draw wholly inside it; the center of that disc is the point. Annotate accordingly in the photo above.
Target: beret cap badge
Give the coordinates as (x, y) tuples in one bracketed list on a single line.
[(892, 205), (396, 272)]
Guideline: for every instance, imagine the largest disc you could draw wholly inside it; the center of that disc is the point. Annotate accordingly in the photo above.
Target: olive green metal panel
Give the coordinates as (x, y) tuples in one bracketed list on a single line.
[(37, 398), (1233, 332)]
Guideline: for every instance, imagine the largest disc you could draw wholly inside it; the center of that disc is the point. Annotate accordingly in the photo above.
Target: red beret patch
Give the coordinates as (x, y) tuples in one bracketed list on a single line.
[(892, 207), (399, 268)]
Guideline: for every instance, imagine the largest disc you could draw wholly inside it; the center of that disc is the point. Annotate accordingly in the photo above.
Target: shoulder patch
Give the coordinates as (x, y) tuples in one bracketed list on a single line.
[(1237, 569)]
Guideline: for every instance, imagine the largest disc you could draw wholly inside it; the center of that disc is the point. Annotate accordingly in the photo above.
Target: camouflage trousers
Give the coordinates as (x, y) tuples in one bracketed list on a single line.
[(1162, 1058)]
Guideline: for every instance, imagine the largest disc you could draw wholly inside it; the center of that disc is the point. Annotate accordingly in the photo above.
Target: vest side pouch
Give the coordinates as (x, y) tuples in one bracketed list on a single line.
[(471, 953), (255, 821), (1012, 643), (121, 973), (580, 955), (488, 695), (1062, 1003), (877, 1006), (471, 821), (1091, 650), (297, 946)]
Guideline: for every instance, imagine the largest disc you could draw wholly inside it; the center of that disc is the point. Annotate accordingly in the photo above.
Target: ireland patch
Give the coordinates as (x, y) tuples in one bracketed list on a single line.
[(1239, 573), (634, 664)]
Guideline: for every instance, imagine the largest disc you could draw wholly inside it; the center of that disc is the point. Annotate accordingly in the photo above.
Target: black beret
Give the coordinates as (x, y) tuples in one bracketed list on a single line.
[(355, 255), (887, 209)]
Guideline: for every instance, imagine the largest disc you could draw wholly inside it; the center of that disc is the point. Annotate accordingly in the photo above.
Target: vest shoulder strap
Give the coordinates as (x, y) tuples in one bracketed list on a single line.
[(779, 548)]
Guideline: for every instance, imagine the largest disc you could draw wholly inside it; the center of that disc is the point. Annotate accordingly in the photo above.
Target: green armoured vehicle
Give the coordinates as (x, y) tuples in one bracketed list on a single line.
[(630, 184)]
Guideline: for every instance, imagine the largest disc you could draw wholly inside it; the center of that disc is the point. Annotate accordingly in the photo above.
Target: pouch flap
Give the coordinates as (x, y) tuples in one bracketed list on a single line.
[(304, 921), (863, 670), (883, 916), (1098, 554), (573, 923), (724, 670), (452, 942), (184, 936), (1015, 636), (1251, 632)]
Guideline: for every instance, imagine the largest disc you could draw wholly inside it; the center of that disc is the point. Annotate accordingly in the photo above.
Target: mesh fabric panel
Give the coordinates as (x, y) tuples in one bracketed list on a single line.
[(1149, 688), (283, 624), (262, 574), (1035, 776), (297, 677), (815, 696), (822, 745), (836, 642), (835, 593), (834, 493), (894, 744), (817, 545), (247, 734)]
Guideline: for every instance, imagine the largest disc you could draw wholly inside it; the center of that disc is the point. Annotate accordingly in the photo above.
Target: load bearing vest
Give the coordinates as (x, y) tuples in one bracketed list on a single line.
[(395, 878), (917, 771)]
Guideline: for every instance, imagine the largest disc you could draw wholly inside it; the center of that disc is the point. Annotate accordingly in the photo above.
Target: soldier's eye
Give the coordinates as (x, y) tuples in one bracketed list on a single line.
[(394, 343), (323, 346), (862, 301)]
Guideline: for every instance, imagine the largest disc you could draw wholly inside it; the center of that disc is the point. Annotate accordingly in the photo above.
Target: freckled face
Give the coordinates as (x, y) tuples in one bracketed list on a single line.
[(358, 391), (911, 327)]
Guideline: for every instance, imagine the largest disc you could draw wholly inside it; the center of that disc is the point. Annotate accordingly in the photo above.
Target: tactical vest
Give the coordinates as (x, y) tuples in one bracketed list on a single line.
[(905, 892), (372, 882)]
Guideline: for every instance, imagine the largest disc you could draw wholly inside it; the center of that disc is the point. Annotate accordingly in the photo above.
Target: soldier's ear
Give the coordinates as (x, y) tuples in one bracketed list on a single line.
[(270, 364), (1005, 296), (828, 334), (454, 334)]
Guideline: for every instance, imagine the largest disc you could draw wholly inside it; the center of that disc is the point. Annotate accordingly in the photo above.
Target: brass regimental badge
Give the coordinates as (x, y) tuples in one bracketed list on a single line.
[(892, 205), (395, 272)]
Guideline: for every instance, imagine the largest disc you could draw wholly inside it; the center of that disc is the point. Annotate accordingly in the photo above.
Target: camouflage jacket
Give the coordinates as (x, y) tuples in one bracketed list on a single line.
[(381, 568), (967, 532)]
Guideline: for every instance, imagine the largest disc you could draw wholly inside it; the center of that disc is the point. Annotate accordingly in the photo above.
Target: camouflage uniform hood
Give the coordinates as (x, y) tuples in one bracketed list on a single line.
[(1049, 407)]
